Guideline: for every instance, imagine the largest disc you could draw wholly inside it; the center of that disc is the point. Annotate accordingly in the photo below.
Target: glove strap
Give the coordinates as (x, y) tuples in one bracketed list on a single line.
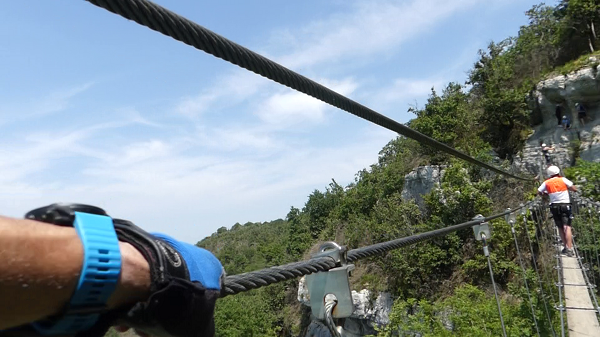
[(165, 263)]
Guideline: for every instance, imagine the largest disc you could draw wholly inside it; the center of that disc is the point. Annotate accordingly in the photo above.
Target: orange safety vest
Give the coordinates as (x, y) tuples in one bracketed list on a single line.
[(555, 184)]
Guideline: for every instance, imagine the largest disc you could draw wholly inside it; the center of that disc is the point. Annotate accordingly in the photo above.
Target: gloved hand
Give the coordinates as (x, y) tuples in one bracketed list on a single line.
[(183, 294)]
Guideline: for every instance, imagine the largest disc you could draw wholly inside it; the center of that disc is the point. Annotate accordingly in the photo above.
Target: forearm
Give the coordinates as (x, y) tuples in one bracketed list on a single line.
[(40, 269)]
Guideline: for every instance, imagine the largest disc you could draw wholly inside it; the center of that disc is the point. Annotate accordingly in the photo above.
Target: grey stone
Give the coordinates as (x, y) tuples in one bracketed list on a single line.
[(421, 181)]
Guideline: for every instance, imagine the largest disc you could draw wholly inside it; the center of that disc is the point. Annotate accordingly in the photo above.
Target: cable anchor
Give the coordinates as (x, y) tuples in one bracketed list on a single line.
[(333, 282)]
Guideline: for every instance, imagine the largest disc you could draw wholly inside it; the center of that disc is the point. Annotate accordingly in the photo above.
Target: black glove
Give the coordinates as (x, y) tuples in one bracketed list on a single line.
[(186, 282)]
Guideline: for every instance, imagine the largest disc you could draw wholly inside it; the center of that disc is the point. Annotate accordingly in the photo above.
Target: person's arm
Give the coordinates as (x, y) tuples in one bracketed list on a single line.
[(570, 184), (40, 266), (541, 189)]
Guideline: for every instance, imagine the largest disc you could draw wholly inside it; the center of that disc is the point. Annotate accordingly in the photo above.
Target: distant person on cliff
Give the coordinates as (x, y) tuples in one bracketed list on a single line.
[(546, 152), (581, 114), (557, 188), (566, 122)]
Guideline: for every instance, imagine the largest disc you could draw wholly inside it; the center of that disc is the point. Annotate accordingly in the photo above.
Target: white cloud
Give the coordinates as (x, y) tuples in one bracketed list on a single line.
[(230, 89), (183, 194), (54, 102), (287, 108), (405, 90), (372, 27)]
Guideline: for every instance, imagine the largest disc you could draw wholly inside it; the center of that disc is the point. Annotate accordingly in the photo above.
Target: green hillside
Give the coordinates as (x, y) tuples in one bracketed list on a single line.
[(487, 116)]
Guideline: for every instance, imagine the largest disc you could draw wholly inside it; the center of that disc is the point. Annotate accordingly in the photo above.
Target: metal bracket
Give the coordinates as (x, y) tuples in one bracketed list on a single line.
[(481, 228), (335, 282), (511, 217)]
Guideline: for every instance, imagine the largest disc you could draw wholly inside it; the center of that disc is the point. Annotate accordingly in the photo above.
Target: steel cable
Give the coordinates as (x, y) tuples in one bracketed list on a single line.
[(560, 281), (539, 279), (234, 284), (168, 23), (252, 280), (486, 252), (512, 228)]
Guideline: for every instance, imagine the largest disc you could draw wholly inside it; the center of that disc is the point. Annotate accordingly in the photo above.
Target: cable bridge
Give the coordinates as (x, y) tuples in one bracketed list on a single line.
[(571, 279)]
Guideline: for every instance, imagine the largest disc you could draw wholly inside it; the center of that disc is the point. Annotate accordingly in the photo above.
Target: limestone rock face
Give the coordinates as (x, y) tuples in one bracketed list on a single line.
[(421, 181), (368, 312), (582, 86)]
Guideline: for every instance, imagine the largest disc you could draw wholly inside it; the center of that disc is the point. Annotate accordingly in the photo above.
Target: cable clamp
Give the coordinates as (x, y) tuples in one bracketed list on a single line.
[(481, 228), (334, 282)]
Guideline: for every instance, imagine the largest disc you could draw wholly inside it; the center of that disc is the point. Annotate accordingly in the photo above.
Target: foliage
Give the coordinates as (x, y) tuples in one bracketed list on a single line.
[(469, 312), (449, 119), (246, 314), (587, 176)]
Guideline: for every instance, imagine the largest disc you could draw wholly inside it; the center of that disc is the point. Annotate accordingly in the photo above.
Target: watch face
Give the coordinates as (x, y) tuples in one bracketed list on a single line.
[(62, 214)]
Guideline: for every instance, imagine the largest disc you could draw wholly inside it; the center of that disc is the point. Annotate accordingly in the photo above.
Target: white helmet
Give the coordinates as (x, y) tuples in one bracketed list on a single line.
[(543, 144), (553, 170)]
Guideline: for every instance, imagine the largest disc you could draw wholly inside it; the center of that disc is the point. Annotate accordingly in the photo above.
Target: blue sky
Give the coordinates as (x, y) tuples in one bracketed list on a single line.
[(97, 109)]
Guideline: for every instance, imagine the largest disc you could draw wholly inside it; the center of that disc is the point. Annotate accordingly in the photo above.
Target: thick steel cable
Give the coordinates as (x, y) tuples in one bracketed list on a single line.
[(252, 280), (380, 248), (514, 234), (235, 284), (537, 272), (168, 23)]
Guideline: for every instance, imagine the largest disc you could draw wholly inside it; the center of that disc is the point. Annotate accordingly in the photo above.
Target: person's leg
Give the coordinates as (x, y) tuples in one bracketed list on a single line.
[(568, 231), (558, 222), (568, 236)]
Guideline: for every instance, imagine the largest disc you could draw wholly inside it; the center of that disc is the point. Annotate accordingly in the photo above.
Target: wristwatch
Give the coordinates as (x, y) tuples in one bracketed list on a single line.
[(101, 266)]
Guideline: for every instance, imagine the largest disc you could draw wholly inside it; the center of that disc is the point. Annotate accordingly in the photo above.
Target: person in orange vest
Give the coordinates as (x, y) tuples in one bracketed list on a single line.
[(557, 188)]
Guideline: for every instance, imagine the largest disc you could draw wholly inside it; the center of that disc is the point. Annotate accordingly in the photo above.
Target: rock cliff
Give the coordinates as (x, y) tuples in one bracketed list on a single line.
[(583, 87), (579, 87)]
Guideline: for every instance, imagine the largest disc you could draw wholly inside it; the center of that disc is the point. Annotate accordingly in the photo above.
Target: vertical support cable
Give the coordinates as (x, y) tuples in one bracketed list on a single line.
[(560, 282), (486, 252), (585, 234), (542, 244), (512, 228), (535, 267), (587, 279), (595, 243), (540, 224)]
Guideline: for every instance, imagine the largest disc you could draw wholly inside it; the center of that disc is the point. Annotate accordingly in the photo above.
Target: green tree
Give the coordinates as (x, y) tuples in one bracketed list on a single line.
[(579, 24)]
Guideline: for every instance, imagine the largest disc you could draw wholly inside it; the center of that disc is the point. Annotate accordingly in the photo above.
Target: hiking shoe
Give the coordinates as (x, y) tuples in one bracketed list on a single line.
[(570, 253), (565, 251)]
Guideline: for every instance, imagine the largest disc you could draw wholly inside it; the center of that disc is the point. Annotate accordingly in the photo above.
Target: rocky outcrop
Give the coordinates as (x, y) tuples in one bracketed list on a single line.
[(583, 87), (421, 181), (367, 313)]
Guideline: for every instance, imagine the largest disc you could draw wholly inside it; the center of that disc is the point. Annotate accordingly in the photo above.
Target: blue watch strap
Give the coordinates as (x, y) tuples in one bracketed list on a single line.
[(98, 279)]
